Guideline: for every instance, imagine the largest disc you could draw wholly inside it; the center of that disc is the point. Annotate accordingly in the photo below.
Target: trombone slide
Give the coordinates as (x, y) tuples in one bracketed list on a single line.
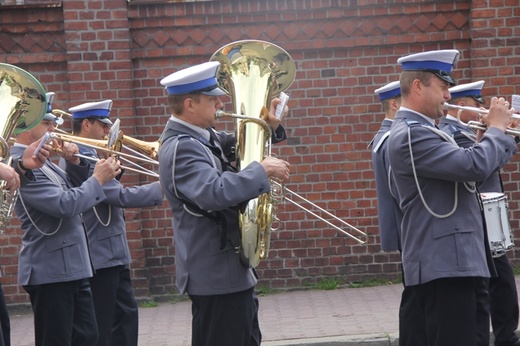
[(361, 236)]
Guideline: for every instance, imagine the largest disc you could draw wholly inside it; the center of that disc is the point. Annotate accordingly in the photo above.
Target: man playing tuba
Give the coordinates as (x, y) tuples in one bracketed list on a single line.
[(204, 192)]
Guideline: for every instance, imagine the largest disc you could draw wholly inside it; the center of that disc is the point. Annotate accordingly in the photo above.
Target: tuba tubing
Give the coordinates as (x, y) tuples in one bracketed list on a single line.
[(23, 104), (251, 72)]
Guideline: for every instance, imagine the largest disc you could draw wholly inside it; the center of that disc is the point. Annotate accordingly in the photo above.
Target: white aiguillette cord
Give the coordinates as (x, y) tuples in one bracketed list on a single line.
[(109, 216), (54, 178), (109, 219), (470, 186)]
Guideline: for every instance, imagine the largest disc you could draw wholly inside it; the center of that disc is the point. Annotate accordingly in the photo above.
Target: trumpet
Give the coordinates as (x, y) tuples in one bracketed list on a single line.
[(475, 109), (478, 125)]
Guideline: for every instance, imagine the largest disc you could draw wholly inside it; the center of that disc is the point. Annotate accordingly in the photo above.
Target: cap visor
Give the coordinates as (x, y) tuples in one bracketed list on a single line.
[(479, 99), (215, 92), (52, 117), (447, 78), (105, 120)]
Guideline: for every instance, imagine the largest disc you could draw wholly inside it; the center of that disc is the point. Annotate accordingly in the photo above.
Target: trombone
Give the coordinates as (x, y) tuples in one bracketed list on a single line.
[(150, 149), (140, 151), (279, 191), (102, 145), (478, 125)]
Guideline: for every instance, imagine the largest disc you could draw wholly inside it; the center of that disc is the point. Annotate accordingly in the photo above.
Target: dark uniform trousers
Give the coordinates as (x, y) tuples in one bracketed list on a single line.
[(450, 307), (5, 322), (115, 306), (412, 326), (504, 314), (239, 310), (57, 322)]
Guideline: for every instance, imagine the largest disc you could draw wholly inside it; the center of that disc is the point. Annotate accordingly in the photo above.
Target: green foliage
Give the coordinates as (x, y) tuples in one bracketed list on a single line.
[(149, 304), (327, 284), (373, 282), (262, 290)]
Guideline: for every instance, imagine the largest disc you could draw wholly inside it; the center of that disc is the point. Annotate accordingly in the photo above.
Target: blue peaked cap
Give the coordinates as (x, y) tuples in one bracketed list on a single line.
[(49, 116), (99, 110), (473, 90), (388, 91), (198, 79), (438, 62)]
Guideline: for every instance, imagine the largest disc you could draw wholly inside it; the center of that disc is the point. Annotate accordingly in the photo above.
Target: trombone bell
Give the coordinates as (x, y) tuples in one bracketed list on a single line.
[(148, 148)]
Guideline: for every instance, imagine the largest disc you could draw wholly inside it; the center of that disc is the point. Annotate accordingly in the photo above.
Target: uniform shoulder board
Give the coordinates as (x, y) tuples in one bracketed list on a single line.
[(411, 123), (381, 141), (454, 130)]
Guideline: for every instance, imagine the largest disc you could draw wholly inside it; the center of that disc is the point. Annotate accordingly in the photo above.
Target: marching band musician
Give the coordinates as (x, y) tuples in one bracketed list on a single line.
[(390, 215), (54, 262), (114, 302), (388, 212), (204, 192), (444, 253), (11, 176), (502, 302)]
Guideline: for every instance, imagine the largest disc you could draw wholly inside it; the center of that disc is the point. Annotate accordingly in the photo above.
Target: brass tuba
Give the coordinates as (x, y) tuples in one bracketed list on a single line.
[(23, 104), (252, 72)]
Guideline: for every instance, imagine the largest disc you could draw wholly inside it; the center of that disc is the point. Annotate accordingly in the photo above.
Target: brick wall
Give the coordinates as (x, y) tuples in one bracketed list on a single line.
[(344, 50)]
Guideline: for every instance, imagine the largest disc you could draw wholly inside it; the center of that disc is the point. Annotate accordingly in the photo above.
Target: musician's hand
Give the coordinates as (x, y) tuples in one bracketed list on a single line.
[(12, 180), (272, 120), (276, 168), (499, 115), (106, 170), (31, 161), (69, 152)]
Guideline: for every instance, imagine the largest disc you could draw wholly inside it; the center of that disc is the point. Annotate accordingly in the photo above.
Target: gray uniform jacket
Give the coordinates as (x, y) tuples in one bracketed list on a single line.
[(388, 212), (452, 243), (189, 170), (105, 222), (55, 250), (466, 137)]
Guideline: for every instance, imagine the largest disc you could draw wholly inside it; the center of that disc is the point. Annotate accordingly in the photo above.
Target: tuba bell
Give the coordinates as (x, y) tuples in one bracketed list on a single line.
[(252, 72), (23, 104)]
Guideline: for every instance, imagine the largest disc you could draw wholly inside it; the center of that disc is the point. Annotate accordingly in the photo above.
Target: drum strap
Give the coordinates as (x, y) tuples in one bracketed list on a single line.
[(489, 256)]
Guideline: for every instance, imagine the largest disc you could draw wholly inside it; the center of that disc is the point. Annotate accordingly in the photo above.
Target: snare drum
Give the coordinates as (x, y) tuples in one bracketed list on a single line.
[(496, 214)]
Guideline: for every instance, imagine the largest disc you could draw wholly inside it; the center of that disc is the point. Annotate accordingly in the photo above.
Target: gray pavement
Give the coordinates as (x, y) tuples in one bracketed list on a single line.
[(347, 316), (314, 317)]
